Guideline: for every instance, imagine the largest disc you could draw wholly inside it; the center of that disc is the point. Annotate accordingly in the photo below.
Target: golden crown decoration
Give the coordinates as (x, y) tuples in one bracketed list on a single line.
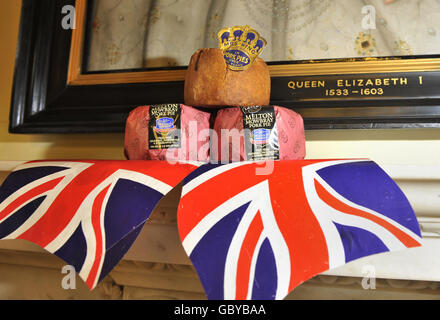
[(241, 45)]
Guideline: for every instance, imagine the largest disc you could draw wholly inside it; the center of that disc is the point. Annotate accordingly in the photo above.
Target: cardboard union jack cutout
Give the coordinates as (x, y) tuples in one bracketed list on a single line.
[(249, 236), (258, 237), (88, 213)]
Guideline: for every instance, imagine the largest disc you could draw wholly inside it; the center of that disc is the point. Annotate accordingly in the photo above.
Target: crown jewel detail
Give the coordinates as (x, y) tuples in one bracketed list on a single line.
[(241, 45)]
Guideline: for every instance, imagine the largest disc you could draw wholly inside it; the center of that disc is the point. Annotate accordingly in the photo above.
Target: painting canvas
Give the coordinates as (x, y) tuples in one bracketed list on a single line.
[(164, 33)]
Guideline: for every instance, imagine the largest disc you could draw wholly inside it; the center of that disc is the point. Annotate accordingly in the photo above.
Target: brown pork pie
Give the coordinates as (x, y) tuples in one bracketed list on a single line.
[(209, 83)]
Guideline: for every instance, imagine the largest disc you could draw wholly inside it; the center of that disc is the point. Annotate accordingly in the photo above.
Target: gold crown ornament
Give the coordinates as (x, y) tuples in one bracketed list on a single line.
[(241, 45)]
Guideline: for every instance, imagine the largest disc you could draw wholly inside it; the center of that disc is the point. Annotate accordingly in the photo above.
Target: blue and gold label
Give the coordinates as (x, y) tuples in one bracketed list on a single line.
[(164, 126), (241, 45)]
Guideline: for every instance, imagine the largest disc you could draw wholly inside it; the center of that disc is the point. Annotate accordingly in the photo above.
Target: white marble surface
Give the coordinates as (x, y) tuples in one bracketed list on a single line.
[(422, 263)]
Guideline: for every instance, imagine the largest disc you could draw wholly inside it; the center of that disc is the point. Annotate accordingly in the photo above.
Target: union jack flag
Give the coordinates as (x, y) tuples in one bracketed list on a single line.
[(259, 236), (88, 213)]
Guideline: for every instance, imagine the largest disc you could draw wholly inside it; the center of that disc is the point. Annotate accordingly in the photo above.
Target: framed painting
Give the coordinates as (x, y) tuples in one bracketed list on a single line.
[(340, 64)]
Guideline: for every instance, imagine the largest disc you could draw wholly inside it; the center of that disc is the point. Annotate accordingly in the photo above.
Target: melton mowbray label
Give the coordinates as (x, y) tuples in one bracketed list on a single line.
[(164, 126), (260, 133)]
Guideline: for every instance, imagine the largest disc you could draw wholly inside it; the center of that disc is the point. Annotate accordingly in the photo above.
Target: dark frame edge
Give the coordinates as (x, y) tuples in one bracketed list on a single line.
[(23, 62)]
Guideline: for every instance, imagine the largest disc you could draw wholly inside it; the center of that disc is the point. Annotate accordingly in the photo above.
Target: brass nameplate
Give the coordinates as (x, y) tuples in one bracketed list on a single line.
[(357, 87)]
